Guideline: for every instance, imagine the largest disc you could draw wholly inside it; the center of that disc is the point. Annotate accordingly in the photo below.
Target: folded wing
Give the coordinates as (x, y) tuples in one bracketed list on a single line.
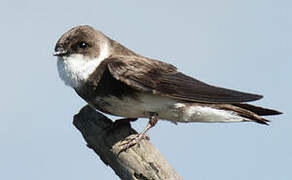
[(157, 77)]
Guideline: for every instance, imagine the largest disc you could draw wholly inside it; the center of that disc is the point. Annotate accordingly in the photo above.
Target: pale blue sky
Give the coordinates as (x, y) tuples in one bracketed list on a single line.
[(243, 45)]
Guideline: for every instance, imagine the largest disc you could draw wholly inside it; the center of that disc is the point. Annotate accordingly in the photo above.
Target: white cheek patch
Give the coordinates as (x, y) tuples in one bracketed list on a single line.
[(75, 69)]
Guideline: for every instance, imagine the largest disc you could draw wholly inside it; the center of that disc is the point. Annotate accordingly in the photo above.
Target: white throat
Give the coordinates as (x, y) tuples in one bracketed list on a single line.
[(75, 69)]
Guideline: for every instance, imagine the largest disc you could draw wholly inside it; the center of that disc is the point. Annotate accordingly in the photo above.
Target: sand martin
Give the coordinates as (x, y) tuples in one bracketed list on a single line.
[(115, 80)]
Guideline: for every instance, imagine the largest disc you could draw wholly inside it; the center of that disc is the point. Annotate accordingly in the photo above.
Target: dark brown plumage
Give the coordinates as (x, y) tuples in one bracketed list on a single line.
[(117, 81), (162, 78)]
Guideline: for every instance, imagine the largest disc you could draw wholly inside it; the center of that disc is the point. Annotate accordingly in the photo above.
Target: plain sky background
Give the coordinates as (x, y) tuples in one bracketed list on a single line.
[(244, 45)]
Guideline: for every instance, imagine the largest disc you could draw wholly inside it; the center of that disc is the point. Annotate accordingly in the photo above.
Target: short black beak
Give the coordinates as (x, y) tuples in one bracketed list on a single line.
[(60, 52)]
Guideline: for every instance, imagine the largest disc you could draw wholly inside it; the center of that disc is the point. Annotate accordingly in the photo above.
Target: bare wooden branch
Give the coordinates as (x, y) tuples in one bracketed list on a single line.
[(105, 137)]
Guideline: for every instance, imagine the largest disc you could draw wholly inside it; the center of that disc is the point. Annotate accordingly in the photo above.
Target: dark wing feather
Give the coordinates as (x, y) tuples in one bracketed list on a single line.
[(162, 78)]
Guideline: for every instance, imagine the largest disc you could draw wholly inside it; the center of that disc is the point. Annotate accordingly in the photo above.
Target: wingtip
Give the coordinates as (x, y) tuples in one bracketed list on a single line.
[(258, 96), (277, 112), (253, 97)]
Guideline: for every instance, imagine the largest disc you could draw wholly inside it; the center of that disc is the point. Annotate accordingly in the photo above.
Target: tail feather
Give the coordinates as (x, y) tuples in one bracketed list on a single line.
[(251, 112), (258, 110)]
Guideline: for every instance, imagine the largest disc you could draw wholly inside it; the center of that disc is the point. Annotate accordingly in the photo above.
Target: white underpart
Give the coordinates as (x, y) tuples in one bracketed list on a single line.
[(168, 109), (75, 69), (209, 114)]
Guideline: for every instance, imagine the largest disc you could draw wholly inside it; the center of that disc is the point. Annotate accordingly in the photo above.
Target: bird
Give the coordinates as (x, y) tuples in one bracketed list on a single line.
[(118, 81)]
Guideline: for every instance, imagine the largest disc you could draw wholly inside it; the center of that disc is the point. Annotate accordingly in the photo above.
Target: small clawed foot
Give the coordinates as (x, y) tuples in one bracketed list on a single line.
[(131, 141)]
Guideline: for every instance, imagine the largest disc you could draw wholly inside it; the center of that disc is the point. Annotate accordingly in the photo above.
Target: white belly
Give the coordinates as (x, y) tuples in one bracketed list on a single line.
[(167, 109)]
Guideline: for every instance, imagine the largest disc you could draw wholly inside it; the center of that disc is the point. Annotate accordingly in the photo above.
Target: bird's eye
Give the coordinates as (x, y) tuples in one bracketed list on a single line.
[(83, 45)]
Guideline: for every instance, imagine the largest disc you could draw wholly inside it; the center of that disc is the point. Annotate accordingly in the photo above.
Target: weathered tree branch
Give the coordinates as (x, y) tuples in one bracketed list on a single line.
[(105, 137)]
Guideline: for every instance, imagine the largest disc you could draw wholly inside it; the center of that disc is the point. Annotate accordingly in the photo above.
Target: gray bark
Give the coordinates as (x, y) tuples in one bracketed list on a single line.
[(105, 137)]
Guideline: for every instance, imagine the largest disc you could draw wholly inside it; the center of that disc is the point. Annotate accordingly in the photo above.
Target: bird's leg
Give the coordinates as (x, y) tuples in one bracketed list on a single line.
[(135, 140)]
